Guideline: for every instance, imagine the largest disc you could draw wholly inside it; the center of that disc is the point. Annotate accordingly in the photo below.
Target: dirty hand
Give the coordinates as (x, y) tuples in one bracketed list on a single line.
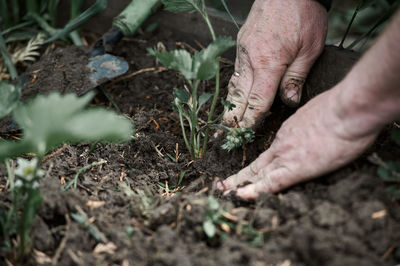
[(277, 45), (310, 143)]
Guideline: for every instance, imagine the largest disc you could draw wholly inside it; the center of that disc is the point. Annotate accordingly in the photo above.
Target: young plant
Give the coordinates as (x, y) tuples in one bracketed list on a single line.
[(201, 66), (25, 202), (47, 122)]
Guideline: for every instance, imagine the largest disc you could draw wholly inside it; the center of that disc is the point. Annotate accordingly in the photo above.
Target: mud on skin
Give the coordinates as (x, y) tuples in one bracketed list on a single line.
[(323, 222)]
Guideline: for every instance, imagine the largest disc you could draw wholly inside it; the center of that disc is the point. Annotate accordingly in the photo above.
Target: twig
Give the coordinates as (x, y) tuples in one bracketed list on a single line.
[(375, 159), (388, 252), (74, 181), (54, 154), (63, 243), (144, 70)]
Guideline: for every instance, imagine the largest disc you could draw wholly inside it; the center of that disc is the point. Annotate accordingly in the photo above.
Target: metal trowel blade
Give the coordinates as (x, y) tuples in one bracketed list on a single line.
[(104, 68)]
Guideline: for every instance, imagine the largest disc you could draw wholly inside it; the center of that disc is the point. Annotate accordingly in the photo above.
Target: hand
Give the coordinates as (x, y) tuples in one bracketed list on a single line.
[(310, 143), (277, 45)]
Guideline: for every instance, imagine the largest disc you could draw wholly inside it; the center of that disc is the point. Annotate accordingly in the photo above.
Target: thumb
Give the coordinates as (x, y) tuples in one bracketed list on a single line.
[(293, 80)]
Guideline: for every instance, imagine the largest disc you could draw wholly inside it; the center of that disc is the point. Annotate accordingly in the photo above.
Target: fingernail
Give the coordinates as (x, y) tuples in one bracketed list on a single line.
[(292, 95)]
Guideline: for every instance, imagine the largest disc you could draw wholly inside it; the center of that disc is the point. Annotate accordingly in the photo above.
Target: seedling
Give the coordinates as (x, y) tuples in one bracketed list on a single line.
[(47, 121), (172, 189), (201, 66), (25, 202), (74, 181)]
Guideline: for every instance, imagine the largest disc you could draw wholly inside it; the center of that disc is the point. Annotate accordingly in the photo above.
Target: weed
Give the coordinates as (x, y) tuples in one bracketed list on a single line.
[(172, 189), (218, 222), (74, 181)]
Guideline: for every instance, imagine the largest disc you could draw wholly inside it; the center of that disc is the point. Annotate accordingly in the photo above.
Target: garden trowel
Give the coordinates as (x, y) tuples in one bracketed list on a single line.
[(104, 66)]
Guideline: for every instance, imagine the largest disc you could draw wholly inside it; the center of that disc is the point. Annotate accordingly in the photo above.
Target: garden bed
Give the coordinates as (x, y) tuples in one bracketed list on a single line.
[(344, 218)]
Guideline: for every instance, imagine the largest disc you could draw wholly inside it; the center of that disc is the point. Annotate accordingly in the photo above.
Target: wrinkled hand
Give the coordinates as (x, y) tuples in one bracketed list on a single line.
[(277, 45), (310, 143)]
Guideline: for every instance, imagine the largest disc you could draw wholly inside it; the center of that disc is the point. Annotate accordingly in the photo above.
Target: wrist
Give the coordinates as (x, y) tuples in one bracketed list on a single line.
[(361, 114)]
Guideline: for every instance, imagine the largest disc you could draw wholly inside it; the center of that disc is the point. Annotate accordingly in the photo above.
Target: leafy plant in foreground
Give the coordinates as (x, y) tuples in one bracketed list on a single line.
[(25, 202), (47, 122), (202, 66)]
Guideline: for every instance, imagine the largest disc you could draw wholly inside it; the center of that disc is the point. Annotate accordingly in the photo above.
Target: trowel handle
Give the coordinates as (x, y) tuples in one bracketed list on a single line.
[(134, 15), (107, 42), (125, 24)]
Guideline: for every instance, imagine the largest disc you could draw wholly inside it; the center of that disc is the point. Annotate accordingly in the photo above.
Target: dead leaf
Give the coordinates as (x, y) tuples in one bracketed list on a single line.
[(109, 248), (95, 204), (379, 214), (41, 258)]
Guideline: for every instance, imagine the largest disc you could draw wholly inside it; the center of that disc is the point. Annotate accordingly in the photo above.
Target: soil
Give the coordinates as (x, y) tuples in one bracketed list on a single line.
[(333, 220)]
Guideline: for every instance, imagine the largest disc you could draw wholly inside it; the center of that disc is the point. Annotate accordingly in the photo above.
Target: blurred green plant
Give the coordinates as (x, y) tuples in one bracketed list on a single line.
[(218, 222), (22, 20), (362, 21), (25, 203), (47, 122)]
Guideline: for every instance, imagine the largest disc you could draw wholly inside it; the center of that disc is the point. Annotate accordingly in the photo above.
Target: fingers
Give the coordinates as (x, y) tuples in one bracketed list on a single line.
[(246, 174), (239, 88), (293, 80), (265, 83), (268, 182)]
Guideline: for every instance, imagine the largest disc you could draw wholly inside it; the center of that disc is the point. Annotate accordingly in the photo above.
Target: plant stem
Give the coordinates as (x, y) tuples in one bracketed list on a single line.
[(349, 26), (194, 119), (216, 93), (184, 135), (7, 59), (4, 14)]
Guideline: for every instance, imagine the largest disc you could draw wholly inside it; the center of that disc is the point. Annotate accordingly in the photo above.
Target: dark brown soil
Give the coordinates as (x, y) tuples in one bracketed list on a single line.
[(328, 221)]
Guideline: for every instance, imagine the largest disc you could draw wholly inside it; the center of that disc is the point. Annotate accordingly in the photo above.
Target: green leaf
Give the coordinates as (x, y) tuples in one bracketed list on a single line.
[(386, 173), (9, 97), (228, 105), (31, 207), (182, 95), (204, 98), (97, 7), (205, 63), (177, 6), (49, 121), (179, 60), (209, 228), (213, 203), (396, 136)]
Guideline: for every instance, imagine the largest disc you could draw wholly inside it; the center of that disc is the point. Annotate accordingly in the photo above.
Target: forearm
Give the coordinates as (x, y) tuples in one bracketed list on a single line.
[(369, 96)]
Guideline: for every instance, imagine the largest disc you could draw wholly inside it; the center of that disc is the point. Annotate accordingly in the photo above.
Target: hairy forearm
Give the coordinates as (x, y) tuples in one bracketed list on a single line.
[(369, 96)]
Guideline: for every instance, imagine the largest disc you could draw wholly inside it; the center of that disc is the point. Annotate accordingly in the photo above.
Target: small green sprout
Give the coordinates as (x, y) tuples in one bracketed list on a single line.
[(218, 222), (236, 137)]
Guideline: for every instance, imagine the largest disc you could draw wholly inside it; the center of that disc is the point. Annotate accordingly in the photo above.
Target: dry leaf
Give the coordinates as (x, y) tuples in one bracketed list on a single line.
[(40, 257), (95, 204), (109, 248), (379, 214)]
